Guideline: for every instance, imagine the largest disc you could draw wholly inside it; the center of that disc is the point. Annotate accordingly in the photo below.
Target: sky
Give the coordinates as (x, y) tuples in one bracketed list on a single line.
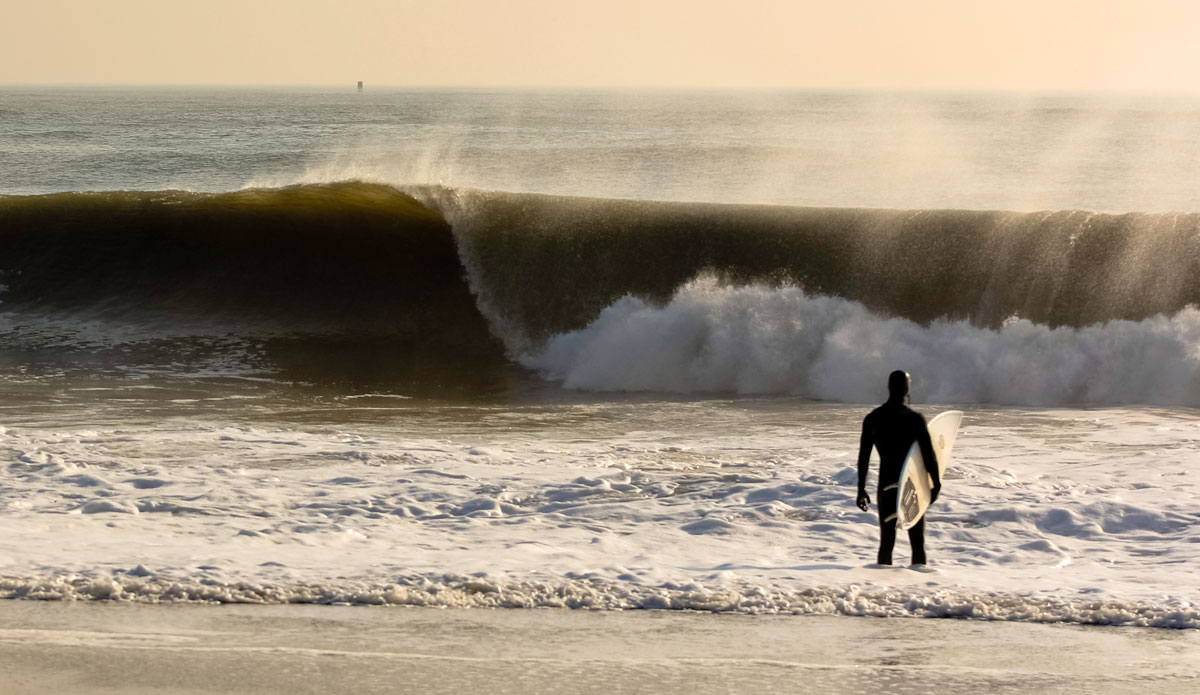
[(1023, 45)]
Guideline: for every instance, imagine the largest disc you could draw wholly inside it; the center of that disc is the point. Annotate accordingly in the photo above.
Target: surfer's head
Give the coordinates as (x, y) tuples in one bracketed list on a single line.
[(897, 385)]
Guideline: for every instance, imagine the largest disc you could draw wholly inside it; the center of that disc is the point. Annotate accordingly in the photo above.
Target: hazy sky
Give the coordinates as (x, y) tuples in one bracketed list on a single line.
[(940, 44)]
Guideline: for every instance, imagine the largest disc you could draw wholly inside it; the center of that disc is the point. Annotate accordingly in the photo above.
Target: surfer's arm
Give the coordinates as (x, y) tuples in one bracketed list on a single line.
[(865, 443)]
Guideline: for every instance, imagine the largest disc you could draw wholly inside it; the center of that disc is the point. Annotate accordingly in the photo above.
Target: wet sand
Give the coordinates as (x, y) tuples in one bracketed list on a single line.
[(127, 648)]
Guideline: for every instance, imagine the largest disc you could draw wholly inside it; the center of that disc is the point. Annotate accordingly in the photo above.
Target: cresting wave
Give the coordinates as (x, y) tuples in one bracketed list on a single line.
[(316, 283), (1025, 308), (988, 307), (307, 258), (547, 264), (450, 591)]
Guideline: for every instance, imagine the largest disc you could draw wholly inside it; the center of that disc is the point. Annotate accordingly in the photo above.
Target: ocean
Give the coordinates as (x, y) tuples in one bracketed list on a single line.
[(597, 349)]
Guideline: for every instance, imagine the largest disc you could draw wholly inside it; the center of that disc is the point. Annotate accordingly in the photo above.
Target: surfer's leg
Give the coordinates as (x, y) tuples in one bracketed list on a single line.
[(886, 501), (887, 539), (916, 538)]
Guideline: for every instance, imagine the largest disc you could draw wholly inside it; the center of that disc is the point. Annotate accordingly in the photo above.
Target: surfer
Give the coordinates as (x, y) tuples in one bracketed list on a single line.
[(891, 429)]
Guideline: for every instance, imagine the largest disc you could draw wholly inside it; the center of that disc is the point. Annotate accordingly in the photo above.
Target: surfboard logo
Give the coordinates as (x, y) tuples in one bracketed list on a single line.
[(941, 442), (908, 500)]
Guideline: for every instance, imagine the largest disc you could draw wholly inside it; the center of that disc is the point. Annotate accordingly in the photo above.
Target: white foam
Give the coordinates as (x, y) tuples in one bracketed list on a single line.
[(743, 505), (712, 338), (450, 591)]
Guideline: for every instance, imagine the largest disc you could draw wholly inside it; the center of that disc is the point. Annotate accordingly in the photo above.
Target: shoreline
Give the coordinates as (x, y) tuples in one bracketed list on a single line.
[(107, 647), (905, 594)]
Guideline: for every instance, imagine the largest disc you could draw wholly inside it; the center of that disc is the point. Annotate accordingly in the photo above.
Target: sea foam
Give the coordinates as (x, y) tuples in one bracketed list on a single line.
[(715, 338), (742, 505)]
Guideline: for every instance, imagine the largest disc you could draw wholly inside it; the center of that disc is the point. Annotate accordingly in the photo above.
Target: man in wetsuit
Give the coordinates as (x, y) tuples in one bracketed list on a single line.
[(891, 429)]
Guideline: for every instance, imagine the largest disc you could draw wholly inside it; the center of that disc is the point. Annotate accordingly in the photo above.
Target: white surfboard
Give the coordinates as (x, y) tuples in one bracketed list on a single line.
[(915, 484)]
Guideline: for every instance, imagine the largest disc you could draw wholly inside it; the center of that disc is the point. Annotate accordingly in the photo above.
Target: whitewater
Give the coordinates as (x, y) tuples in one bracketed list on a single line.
[(549, 365), (731, 505)]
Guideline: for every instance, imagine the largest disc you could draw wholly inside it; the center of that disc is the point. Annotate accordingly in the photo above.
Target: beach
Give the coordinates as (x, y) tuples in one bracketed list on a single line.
[(106, 648)]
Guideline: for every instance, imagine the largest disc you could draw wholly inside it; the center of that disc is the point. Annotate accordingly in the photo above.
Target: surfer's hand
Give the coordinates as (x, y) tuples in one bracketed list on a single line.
[(933, 494), (863, 500)]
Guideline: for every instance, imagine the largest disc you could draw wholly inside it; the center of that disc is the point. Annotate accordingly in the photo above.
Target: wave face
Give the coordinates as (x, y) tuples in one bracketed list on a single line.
[(362, 281), (550, 264), (328, 278)]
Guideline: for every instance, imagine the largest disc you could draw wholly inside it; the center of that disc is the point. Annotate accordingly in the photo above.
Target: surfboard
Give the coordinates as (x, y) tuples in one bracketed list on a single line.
[(915, 484)]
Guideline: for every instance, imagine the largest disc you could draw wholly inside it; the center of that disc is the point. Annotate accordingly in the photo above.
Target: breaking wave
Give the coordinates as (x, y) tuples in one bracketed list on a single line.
[(712, 338), (315, 283), (612, 295)]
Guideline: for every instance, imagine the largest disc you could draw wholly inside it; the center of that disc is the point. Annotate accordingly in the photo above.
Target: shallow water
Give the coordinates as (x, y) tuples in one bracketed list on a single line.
[(741, 504)]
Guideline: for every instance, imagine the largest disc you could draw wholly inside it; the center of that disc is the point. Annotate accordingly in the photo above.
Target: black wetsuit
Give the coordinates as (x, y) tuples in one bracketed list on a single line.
[(891, 429)]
